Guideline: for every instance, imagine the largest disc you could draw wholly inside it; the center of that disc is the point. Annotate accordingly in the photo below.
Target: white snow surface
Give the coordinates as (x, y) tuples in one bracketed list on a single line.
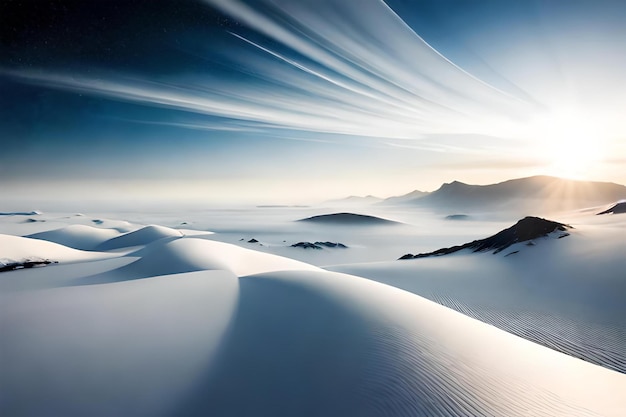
[(156, 322)]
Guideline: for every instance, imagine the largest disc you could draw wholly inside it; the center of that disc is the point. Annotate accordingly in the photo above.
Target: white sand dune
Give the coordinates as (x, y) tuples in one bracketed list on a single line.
[(27, 225), (331, 344), (166, 257), (18, 248), (121, 226), (126, 349), (195, 327), (567, 294), (139, 237), (283, 343), (77, 236)]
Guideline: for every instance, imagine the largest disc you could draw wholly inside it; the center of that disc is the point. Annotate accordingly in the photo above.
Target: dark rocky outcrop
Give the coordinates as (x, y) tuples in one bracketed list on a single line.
[(306, 245), (318, 245), (10, 265), (331, 244), (31, 220), (523, 231), (617, 208), (253, 240)]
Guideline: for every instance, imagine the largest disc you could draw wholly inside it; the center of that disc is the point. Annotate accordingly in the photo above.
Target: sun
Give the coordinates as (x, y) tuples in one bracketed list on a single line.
[(569, 143)]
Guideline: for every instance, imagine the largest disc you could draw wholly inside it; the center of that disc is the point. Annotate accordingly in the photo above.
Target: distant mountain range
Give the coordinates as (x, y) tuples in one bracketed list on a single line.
[(354, 199), (405, 198), (538, 192)]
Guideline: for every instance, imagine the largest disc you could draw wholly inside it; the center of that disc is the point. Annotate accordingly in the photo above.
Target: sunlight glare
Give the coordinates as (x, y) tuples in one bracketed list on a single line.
[(569, 141)]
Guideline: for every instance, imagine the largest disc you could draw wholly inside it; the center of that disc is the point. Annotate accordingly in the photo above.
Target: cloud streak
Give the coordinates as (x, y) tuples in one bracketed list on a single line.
[(348, 68)]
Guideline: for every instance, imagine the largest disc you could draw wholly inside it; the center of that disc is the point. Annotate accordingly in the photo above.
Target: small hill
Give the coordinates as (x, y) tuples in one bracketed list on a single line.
[(143, 236), (525, 230), (617, 208), (77, 236), (347, 219)]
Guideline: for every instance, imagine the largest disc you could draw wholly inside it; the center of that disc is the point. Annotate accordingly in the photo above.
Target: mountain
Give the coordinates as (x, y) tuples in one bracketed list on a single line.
[(413, 195), (355, 199), (525, 230), (538, 192)]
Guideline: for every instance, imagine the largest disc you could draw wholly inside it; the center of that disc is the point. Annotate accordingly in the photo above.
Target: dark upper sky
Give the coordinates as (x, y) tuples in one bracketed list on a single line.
[(224, 91), (137, 35)]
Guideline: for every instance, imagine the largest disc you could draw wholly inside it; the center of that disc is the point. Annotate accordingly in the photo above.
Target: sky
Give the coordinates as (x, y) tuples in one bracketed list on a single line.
[(290, 101)]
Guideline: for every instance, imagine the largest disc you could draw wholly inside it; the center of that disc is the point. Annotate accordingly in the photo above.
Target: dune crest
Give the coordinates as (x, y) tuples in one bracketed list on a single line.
[(139, 237), (77, 236)]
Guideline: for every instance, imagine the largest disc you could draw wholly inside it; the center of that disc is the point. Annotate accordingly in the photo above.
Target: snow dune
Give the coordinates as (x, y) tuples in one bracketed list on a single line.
[(566, 294), (332, 344), (194, 327), (125, 349), (18, 248), (140, 237), (77, 236), (166, 257)]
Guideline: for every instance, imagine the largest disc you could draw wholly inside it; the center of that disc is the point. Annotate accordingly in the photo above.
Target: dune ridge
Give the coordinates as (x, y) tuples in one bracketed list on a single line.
[(139, 237), (77, 236)]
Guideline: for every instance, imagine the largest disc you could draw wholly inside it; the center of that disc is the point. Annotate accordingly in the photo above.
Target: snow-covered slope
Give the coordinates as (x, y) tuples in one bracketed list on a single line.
[(18, 248), (139, 237), (77, 236), (194, 327), (567, 294)]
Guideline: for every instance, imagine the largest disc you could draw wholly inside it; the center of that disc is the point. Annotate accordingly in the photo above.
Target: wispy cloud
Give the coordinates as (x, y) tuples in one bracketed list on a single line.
[(341, 68)]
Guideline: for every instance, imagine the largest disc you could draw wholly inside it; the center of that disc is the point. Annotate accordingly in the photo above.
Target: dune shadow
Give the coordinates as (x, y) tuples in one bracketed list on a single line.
[(130, 272), (290, 351)]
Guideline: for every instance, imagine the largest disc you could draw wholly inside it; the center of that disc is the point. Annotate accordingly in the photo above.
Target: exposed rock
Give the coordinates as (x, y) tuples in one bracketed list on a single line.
[(331, 244), (525, 230), (21, 213), (318, 245), (10, 265), (617, 208), (31, 220), (253, 241), (306, 245)]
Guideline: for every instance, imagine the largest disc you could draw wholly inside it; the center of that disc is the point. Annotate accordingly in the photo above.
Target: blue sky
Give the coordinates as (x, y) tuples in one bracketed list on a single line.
[(299, 100)]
